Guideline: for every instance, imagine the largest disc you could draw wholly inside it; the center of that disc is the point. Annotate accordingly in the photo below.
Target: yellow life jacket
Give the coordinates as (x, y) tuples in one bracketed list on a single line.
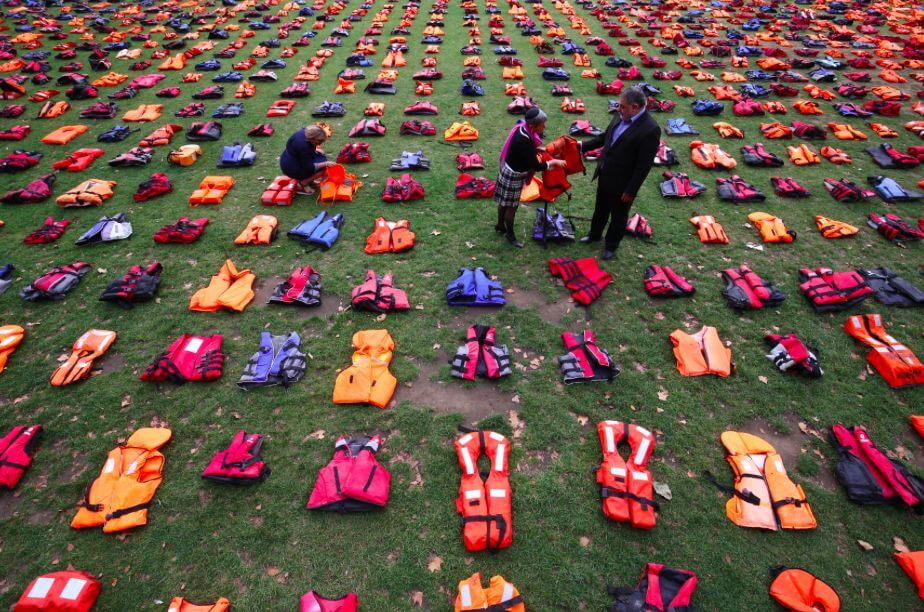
[(771, 228), (260, 230), (186, 155), (367, 380), (230, 288), (460, 131)]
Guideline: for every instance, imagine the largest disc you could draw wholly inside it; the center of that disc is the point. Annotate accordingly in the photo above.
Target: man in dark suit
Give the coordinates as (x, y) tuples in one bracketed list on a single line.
[(629, 144)]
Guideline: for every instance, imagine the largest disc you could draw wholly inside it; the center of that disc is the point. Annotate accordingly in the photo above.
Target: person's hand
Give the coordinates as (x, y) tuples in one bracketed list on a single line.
[(557, 163), (626, 198)]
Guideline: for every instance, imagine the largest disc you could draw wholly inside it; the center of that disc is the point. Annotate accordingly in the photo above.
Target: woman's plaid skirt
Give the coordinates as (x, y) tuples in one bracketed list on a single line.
[(509, 185)]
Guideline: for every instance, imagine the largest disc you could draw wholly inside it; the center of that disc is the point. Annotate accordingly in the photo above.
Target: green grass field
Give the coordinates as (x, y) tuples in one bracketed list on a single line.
[(262, 549)]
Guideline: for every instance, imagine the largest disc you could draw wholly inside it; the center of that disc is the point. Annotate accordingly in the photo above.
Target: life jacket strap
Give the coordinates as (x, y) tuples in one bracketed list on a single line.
[(129, 510), (747, 496)]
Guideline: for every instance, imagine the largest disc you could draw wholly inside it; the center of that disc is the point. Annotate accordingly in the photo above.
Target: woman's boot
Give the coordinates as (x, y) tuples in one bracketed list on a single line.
[(509, 216), (501, 227)]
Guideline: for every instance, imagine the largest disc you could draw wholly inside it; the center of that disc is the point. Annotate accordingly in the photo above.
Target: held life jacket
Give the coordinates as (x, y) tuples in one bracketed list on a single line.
[(500, 596), (354, 480), (379, 294), (709, 230), (188, 358), (303, 287), (312, 602), (868, 475), (913, 565), (583, 277), (56, 283), (831, 228), (663, 282), (180, 604), (475, 288), (277, 362), (17, 448), (830, 291), (763, 496), (139, 285), (260, 230), (230, 288), (626, 486), (90, 346), (893, 360), (67, 591), (338, 185), (119, 498), (390, 237), (701, 353), (485, 505), (799, 590), (322, 231), (481, 356), (585, 361), (184, 231), (367, 380), (660, 589), (10, 338)]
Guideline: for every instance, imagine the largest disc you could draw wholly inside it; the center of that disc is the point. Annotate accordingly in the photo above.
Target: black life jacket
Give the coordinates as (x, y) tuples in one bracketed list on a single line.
[(139, 285), (585, 361), (240, 463), (744, 289), (891, 289), (116, 134), (204, 131), (303, 287), (663, 282), (481, 356), (661, 589), (552, 226)]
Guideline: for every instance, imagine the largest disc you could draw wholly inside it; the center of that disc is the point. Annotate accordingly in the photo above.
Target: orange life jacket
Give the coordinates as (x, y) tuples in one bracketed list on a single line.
[(883, 131), (144, 112), (771, 228), (709, 230), (10, 337), (775, 130), (245, 90), (119, 498), (845, 131), (807, 107), (803, 155), (50, 109), (192, 77), (913, 564), (835, 155), (308, 73), (572, 106), (64, 134), (800, 591), (774, 107), (212, 189), (500, 595), (470, 109), (889, 93), (90, 346), (485, 505), (180, 604), (374, 109), (708, 156), (893, 360), (460, 131), (174, 62), (161, 136), (280, 108), (831, 228), (368, 380), (626, 486), (230, 288), (110, 80), (185, 155), (764, 496), (92, 192), (338, 185), (701, 353), (918, 423), (260, 230), (817, 92), (684, 91), (390, 237), (512, 73), (727, 130)]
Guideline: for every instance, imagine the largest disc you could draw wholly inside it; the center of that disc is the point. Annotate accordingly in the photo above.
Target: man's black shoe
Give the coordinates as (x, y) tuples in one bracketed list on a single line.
[(588, 239), (607, 255)]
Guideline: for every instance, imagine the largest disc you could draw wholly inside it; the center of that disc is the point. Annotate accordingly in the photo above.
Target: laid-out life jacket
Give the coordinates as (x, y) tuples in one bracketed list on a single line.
[(799, 590), (390, 237), (237, 155), (868, 475), (38, 190), (184, 231), (709, 230), (888, 157), (260, 230), (181, 604), (56, 283), (913, 565), (831, 228), (323, 230), (367, 380), (845, 190), (261, 130), (230, 288), (185, 155), (10, 338), (757, 155), (20, 160), (354, 480), (145, 112), (474, 187), (475, 288), (312, 602), (119, 498), (893, 360), (139, 285), (277, 362), (485, 505), (663, 282), (6, 280), (136, 156), (830, 291), (204, 131), (626, 486), (67, 591), (212, 190), (161, 136), (679, 185), (303, 287), (280, 192), (337, 185), (92, 192), (891, 289), (460, 132), (763, 496), (701, 353), (89, 347), (49, 231), (17, 448), (771, 228), (188, 358), (708, 156), (787, 187), (379, 294), (660, 589), (803, 155), (107, 229), (891, 190), (893, 227), (481, 356), (280, 108), (585, 361), (500, 596), (788, 351), (354, 153), (583, 277), (18, 132), (404, 189), (155, 186), (64, 134), (736, 189)]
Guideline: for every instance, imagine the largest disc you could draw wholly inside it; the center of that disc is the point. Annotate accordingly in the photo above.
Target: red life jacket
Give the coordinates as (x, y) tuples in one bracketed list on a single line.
[(660, 589), (787, 187), (16, 451), (480, 356), (189, 358), (183, 231), (240, 463), (585, 361), (280, 192), (354, 480), (50, 231), (583, 277), (404, 189), (829, 291), (379, 294), (469, 161), (312, 602), (469, 187), (485, 506), (303, 287), (637, 226), (68, 591), (56, 283), (744, 289), (626, 487), (354, 153), (663, 282), (157, 185)]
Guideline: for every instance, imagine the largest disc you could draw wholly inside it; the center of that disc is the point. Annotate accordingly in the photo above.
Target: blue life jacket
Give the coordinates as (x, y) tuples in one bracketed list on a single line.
[(237, 155), (702, 106), (552, 226), (212, 64), (679, 126), (474, 288), (753, 90), (471, 89), (322, 231), (107, 229), (228, 77), (277, 362)]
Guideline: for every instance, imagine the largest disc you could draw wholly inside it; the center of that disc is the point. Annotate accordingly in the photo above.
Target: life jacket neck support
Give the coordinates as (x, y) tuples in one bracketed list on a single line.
[(485, 505), (797, 589), (312, 602), (744, 289), (368, 380), (119, 498), (660, 588), (830, 291), (701, 353), (240, 463), (303, 287), (663, 282), (379, 294), (71, 590), (184, 231), (390, 237), (277, 362), (56, 283), (890, 358), (90, 346), (180, 604), (188, 358), (868, 475), (585, 361), (626, 486), (583, 277), (500, 596), (481, 356), (475, 288), (354, 480), (17, 448), (763, 496)]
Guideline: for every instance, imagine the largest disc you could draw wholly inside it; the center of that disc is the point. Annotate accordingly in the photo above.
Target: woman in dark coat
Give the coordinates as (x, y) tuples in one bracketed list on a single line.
[(301, 159)]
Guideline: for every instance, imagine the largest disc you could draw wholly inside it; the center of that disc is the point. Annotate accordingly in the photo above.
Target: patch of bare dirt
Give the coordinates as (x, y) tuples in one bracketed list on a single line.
[(41, 517), (551, 312), (537, 461), (790, 446), (111, 362), (8, 505), (75, 469), (263, 288), (331, 305)]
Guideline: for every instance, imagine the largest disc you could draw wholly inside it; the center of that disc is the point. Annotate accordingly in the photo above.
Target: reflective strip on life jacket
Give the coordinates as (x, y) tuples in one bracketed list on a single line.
[(894, 361), (69, 590), (626, 486), (485, 506), (88, 347)]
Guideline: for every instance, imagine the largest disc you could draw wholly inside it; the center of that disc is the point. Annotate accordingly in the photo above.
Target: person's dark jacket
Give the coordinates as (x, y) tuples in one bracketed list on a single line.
[(299, 158), (623, 167), (522, 155)]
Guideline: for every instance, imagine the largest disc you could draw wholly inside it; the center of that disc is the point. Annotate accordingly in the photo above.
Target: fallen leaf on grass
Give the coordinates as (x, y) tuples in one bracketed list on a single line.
[(762, 379), (899, 545), (516, 424), (585, 541), (435, 564), (126, 400), (515, 399), (662, 394), (272, 571), (316, 435), (417, 599), (870, 570), (865, 545), (663, 490), (435, 233)]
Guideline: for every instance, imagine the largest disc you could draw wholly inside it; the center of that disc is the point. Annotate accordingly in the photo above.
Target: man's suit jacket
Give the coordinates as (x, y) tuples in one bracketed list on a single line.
[(623, 167)]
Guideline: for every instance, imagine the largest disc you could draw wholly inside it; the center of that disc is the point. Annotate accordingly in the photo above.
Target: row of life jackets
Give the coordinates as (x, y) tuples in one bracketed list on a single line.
[(91, 345), (626, 485), (481, 355), (278, 361), (583, 277), (701, 353), (230, 289), (894, 361), (302, 287), (367, 380), (379, 294), (17, 448), (353, 480), (485, 505), (188, 358)]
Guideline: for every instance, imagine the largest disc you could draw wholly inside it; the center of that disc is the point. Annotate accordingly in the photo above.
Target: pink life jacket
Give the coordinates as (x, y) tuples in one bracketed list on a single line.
[(312, 602), (586, 361), (354, 480), (240, 463), (379, 294), (16, 451), (480, 356)]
